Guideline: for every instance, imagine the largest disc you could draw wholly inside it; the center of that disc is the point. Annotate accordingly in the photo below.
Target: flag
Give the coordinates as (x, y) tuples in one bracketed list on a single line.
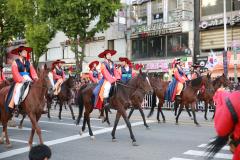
[(212, 60)]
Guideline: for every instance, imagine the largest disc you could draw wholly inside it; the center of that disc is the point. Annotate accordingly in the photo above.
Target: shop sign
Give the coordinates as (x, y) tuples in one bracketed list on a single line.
[(202, 61), (219, 21), (163, 65), (163, 27)]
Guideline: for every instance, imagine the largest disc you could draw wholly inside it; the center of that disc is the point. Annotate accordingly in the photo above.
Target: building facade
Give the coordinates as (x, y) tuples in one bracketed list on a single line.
[(160, 31), (211, 25)]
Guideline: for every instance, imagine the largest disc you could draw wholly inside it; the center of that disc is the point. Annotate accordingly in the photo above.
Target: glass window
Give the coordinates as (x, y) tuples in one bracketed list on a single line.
[(213, 7), (236, 5), (177, 45), (174, 10), (148, 47), (111, 44)]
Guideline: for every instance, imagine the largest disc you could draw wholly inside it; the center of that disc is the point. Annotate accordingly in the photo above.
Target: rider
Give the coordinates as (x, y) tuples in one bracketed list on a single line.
[(22, 71), (179, 77), (2, 77), (110, 75), (227, 122), (195, 71), (58, 75), (126, 70), (94, 75)]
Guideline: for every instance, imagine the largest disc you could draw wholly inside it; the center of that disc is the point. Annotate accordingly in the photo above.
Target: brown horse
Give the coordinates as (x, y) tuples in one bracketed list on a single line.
[(65, 95), (207, 95), (189, 95), (32, 105), (120, 100), (159, 88)]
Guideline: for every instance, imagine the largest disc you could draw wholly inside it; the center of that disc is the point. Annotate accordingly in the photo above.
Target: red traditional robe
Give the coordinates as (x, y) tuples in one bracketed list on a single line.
[(56, 76), (92, 78), (2, 77)]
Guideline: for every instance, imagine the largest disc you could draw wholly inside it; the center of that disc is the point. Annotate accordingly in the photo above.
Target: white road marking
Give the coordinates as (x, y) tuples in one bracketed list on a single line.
[(23, 129), (61, 123), (67, 139), (94, 119), (175, 158), (205, 145), (202, 153), (21, 141)]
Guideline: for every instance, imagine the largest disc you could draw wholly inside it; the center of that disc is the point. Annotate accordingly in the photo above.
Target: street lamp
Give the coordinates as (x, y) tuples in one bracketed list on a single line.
[(62, 44)]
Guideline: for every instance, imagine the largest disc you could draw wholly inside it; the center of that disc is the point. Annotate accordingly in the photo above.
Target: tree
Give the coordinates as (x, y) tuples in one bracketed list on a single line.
[(39, 32), (10, 27), (76, 18)]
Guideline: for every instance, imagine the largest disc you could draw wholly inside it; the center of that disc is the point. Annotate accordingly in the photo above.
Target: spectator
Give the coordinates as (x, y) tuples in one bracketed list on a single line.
[(40, 152)]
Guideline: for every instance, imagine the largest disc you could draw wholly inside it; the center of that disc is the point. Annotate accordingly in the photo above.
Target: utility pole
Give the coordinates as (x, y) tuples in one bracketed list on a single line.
[(225, 63), (196, 38)]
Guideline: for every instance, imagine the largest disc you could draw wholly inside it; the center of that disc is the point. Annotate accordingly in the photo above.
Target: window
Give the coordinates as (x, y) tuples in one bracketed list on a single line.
[(236, 5), (148, 47), (214, 7), (111, 44), (157, 11), (177, 45), (174, 10)]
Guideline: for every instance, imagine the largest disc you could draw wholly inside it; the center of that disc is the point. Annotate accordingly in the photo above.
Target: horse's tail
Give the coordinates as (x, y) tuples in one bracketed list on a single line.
[(215, 146), (80, 104), (153, 104)]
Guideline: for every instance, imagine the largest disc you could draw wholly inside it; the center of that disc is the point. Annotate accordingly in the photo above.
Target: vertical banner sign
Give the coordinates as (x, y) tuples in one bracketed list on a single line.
[(225, 63)]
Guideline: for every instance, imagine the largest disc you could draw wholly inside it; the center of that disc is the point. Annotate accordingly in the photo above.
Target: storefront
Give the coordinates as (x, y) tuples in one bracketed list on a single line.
[(160, 40)]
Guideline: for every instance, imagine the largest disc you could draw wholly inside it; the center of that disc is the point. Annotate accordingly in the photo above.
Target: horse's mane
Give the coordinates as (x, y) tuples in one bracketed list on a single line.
[(196, 82), (215, 81)]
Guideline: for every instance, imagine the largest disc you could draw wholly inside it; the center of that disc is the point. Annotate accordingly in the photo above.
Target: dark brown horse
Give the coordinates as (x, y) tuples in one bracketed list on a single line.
[(159, 87), (189, 95), (120, 100), (207, 94), (65, 95), (32, 105)]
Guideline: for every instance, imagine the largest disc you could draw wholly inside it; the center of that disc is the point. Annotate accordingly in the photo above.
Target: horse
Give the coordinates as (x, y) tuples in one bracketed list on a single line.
[(65, 95), (189, 95), (119, 100), (160, 88), (32, 105), (207, 95)]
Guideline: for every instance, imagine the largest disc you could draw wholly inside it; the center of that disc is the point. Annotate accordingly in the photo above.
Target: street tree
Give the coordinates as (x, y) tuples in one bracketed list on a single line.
[(81, 20), (11, 27), (38, 29)]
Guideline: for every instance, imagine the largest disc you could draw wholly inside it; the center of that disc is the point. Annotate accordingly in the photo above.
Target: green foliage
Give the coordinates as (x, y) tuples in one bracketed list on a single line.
[(10, 26), (82, 19), (36, 16)]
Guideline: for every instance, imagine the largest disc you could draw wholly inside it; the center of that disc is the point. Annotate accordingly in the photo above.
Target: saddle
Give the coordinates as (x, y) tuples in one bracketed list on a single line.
[(23, 94)]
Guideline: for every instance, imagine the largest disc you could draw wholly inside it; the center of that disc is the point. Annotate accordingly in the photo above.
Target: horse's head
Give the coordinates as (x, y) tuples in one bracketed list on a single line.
[(225, 81), (70, 82), (45, 79), (206, 80), (143, 82)]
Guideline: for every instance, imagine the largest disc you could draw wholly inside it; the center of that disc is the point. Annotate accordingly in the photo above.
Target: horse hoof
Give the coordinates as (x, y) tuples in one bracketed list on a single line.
[(148, 128), (80, 132), (114, 140), (206, 119), (135, 144), (19, 127), (159, 121), (9, 145), (92, 137), (198, 125), (73, 118), (177, 123)]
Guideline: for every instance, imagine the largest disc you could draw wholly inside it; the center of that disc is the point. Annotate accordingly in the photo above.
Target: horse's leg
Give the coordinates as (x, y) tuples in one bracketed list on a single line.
[(143, 117), (206, 109), (49, 102), (107, 118), (89, 127), (8, 144), (84, 123), (158, 112), (118, 115), (60, 110), (188, 111), (21, 122), (176, 104), (160, 109), (124, 115), (179, 112), (214, 108), (34, 122), (194, 115), (130, 113), (71, 109), (101, 116)]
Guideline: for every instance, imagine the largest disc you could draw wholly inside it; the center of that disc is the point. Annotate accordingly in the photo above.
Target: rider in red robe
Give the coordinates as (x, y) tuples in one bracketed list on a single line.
[(58, 75), (126, 71), (227, 122), (94, 75), (22, 71)]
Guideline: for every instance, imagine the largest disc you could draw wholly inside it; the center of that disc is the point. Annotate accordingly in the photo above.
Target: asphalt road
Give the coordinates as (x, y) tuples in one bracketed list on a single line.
[(163, 141)]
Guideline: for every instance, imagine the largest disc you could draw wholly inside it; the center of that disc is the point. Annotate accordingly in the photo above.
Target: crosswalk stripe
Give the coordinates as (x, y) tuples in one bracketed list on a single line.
[(202, 153), (176, 158), (23, 129), (21, 141), (205, 145)]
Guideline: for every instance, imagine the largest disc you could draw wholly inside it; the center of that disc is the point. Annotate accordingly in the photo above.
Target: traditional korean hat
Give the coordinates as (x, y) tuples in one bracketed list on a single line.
[(20, 49), (104, 53), (92, 64)]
